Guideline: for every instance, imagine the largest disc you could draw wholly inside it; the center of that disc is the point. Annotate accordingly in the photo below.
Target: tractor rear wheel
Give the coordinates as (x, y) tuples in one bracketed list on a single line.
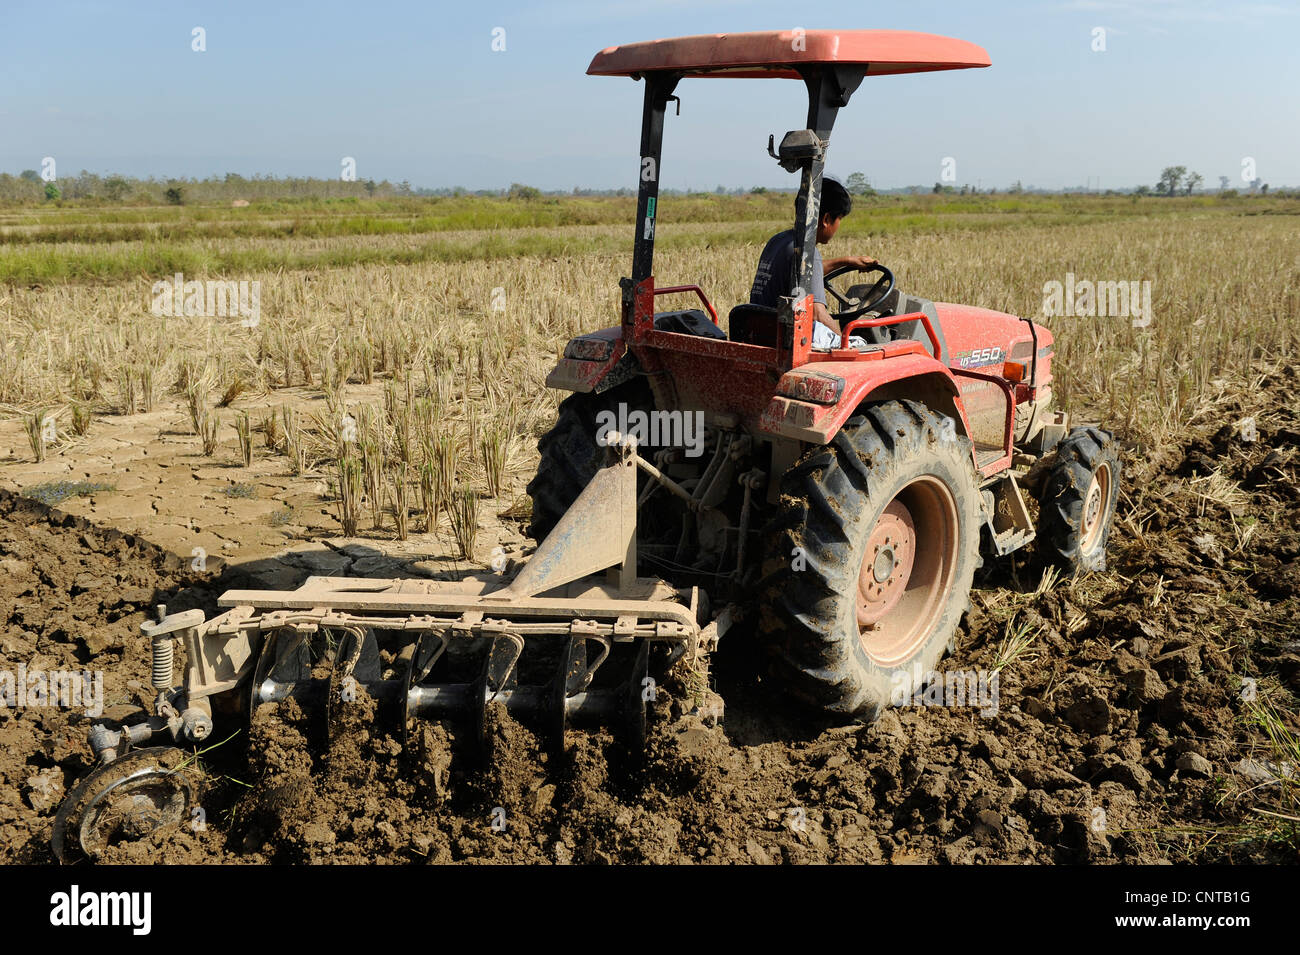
[(570, 456), (1077, 507), (870, 559)]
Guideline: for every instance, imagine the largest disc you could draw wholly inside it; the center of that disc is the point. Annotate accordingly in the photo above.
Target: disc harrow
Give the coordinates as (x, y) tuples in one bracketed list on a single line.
[(566, 641)]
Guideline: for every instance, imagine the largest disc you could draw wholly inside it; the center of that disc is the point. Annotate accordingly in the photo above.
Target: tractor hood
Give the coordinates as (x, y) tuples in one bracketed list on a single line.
[(979, 337)]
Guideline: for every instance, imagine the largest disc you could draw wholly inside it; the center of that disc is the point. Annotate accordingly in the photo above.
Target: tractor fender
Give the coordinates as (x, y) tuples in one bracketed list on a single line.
[(595, 362), (807, 408)]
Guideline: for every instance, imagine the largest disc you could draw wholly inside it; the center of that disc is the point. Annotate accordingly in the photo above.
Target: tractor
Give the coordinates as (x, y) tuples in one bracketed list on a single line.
[(848, 492), (837, 501)]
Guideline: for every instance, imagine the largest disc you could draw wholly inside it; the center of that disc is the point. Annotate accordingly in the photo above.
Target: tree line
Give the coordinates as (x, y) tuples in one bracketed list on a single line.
[(1173, 178), (28, 186)]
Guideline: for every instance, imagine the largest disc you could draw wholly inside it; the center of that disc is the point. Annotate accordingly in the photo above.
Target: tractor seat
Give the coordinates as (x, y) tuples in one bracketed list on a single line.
[(688, 321), (753, 325)]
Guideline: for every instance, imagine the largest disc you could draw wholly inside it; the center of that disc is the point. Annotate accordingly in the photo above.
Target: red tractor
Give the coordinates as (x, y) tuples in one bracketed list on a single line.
[(847, 490), (837, 497)]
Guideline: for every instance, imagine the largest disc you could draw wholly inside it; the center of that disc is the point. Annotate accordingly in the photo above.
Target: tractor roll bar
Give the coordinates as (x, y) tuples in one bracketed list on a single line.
[(829, 87), (658, 90)]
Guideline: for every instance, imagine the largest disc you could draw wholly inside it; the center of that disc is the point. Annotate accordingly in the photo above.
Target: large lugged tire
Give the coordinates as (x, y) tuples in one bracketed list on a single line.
[(869, 559), (570, 456), (1077, 507)]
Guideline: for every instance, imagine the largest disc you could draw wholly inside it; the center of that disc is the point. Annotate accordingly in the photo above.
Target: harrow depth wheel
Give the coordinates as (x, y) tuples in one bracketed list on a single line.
[(127, 800)]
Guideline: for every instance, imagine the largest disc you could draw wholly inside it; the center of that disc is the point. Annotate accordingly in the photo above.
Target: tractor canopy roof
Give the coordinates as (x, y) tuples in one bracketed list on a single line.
[(781, 53)]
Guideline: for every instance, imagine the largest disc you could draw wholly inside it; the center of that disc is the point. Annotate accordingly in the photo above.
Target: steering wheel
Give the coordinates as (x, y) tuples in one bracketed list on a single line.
[(851, 307)]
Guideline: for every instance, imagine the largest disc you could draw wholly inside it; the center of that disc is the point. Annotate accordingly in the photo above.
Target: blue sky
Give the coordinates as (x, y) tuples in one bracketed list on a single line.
[(414, 91)]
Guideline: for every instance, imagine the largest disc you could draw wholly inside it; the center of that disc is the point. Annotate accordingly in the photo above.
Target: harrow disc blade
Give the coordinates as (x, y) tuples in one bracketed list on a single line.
[(640, 689), (356, 669), (498, 679), (125, 800), (283, 669), (570, 679), (416, 660)]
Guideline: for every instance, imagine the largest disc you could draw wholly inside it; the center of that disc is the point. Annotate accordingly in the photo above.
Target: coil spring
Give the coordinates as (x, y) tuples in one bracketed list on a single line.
[(162, 663)]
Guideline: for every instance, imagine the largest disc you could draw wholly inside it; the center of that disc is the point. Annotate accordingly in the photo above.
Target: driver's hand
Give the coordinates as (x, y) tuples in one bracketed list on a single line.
[(861, 261)]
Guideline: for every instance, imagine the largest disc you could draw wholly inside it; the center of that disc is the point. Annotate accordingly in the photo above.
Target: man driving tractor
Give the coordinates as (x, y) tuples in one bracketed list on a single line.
[(775, 274)]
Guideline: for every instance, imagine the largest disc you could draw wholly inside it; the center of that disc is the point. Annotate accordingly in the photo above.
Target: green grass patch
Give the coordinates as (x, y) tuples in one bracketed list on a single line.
[(114, 244)]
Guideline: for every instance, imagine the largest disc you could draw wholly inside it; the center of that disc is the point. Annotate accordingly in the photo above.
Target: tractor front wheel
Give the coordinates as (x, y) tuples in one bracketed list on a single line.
[(869, 559), (1077, 507)]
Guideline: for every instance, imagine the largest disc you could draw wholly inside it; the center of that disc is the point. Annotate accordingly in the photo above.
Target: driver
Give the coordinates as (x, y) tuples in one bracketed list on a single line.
[(776, 266)]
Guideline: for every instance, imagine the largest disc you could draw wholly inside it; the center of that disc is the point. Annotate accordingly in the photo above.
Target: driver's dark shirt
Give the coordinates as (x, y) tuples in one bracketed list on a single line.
[(776, 272)]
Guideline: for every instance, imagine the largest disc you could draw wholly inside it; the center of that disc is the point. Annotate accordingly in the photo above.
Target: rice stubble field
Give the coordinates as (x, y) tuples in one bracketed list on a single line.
[(183, 455)]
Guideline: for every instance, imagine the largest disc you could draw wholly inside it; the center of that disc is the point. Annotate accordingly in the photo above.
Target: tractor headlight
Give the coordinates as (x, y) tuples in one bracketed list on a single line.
[(817, 387)]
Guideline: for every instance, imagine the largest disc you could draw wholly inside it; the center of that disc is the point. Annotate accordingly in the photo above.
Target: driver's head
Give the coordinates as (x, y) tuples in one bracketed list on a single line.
[(836, 204)]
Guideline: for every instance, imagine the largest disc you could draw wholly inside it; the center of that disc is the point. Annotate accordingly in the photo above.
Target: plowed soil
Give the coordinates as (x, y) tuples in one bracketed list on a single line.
[(1123, 731)]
